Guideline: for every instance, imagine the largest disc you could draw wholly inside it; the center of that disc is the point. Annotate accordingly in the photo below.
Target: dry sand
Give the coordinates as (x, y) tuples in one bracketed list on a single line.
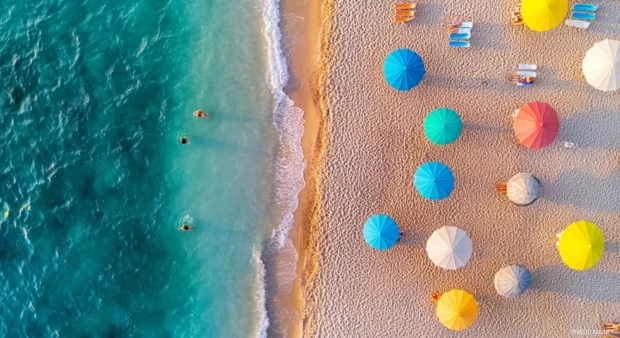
[(375, 141)]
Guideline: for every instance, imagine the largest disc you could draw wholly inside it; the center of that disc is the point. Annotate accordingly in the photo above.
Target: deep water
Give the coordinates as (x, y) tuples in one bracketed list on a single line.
[(94, 183)]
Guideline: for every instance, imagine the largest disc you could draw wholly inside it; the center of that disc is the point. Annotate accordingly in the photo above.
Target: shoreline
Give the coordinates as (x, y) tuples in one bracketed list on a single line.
[(308, 69)]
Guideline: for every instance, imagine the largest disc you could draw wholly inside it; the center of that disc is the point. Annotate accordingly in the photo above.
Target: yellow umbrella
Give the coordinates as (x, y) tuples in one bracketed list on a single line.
[(542, 15), (581, 245), (457, 309)]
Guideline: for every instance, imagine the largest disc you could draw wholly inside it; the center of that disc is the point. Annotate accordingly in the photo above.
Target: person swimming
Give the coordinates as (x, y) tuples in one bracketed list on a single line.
[(200, 114), (185, 227), (184, 140)]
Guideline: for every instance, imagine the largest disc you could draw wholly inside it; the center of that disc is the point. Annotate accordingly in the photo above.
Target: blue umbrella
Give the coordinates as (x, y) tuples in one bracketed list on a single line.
[(381, 232), (434, 180), (403, 69), (512, 280)]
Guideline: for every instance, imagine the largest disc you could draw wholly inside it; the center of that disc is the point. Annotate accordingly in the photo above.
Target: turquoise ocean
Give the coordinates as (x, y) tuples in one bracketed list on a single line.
[(94, 182)]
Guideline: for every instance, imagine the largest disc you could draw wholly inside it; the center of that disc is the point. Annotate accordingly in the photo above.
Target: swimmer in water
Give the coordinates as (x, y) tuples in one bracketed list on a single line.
[(200, 114), (184, 140), (185, 227)]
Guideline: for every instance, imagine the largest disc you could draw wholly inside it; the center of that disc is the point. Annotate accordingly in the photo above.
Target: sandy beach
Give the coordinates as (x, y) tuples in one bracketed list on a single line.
[(374, 141)]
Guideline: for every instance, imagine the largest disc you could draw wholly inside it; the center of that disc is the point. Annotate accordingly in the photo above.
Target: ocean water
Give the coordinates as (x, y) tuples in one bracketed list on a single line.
[(94, 183)]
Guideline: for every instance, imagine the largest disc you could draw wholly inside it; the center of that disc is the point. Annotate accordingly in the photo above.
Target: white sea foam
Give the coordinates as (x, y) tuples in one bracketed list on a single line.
[(260, 295), (290, 163), (289, 121)]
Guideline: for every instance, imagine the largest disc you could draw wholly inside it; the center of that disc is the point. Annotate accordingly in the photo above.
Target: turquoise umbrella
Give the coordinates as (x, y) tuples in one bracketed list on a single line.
[(403, 69), (381, 232), (434, 180), (443, 126)]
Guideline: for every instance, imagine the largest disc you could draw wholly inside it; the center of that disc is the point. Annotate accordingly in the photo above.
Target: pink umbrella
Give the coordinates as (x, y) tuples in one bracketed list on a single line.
[(537, 125)]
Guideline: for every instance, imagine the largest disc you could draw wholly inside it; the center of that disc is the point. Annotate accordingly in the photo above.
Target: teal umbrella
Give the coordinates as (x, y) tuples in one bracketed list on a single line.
[(403, 69), (434, 180), (381, 232), (443, 126)]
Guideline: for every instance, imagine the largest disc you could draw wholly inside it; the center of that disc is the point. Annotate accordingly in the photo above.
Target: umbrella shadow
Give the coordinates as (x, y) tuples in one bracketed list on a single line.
[(583, 190), (494, 37), (427, 14), (548, 73), (596, 129), (612, 247), (592, 285), (415, 240), (607, 19)]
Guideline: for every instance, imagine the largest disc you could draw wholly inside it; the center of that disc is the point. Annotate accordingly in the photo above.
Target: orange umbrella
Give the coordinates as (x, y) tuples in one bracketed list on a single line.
[(536, 125)]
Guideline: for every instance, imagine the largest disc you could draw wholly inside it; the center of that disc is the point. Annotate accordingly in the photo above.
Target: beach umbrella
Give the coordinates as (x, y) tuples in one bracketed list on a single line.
[(536, 125), (381, 232), (542, 15), (449, 248), (457, 309), (443, 126), (523, 189), (601, 66), (581, 245), (434, 180), (403, 69), (513, 280)]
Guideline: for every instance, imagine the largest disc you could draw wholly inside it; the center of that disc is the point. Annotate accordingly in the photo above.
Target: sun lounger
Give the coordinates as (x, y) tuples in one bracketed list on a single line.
[(404, 6), (405, 13), (584, 8), (520, 84), (467, 24), (460, 31), (523, 66), (402, 19), (460, 36), (458, 43), (578, 23), (524, 73), (583, 16)]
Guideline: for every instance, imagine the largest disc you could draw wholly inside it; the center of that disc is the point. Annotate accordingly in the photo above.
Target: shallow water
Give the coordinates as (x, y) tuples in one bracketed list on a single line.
[(95, 96)]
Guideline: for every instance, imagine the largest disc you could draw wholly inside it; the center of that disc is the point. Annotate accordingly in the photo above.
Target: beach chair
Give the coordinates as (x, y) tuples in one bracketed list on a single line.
[(404, 6), (584, 8), (524, 66), (459, 43), (583, 16), (405, 13), (524, 73), (467, 24), (578, 23), (460, 36), (403, 19)]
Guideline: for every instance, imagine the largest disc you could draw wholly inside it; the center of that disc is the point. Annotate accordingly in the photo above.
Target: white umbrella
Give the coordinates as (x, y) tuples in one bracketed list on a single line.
[(523, 189), (601, 66), (449, 248), (512, 280)]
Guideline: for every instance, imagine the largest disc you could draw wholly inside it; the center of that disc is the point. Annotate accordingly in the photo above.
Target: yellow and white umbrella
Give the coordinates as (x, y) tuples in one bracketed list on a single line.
[(601, 66)]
